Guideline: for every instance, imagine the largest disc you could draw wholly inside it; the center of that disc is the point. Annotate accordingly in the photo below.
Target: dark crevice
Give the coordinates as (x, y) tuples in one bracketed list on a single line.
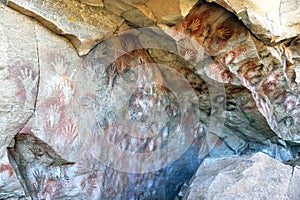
[(291, 177), (11, 154), (33, 162), (39, 68)]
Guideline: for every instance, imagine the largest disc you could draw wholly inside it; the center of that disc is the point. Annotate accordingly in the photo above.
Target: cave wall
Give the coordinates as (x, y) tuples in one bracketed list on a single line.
[(124, 99)]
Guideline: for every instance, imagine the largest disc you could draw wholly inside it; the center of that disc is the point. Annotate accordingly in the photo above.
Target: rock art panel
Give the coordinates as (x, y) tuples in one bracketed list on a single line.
[(90, 109), (19, 77), (135, 117), (42, 170), (245, 129), (271, 24), (84, 25), (239, 58)]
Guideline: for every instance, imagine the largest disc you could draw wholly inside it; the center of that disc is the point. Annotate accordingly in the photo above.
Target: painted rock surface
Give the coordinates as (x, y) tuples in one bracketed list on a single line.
[(106, 107), (239, 58), (19, 77)]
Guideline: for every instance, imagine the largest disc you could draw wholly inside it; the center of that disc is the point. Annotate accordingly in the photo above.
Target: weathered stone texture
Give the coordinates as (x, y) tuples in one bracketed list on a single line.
[(167, 12), (61, 151), (83, 24), (244, 177), (134, 114), (271, 22), (19, 74), (240, 58), (93, 2)]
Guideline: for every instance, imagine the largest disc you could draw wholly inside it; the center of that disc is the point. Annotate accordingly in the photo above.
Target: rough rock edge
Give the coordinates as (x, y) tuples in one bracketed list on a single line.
[(273, 41), (83, 47)]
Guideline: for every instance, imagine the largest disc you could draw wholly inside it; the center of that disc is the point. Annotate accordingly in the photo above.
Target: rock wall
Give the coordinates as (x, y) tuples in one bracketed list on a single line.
[(244, 177), (107, 99)]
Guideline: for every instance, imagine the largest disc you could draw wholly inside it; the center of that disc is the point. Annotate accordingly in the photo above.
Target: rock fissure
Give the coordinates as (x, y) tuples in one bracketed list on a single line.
[(39, 73)]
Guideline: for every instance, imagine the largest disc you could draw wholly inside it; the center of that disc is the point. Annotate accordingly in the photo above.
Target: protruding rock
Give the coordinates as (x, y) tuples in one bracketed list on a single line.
[(134, 16), (270, 23), (167, 12), (244, 177), (93, 2), (83, 24)]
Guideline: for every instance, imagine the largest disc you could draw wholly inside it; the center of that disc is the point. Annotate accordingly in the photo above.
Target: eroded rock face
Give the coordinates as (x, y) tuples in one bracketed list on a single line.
[(19, 76), (83, 106), (172, 12), (86, 23), (239, 58), (270, 23), (135, 117), (93, 2), (158, 12), (245, 177), (83, 24)]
